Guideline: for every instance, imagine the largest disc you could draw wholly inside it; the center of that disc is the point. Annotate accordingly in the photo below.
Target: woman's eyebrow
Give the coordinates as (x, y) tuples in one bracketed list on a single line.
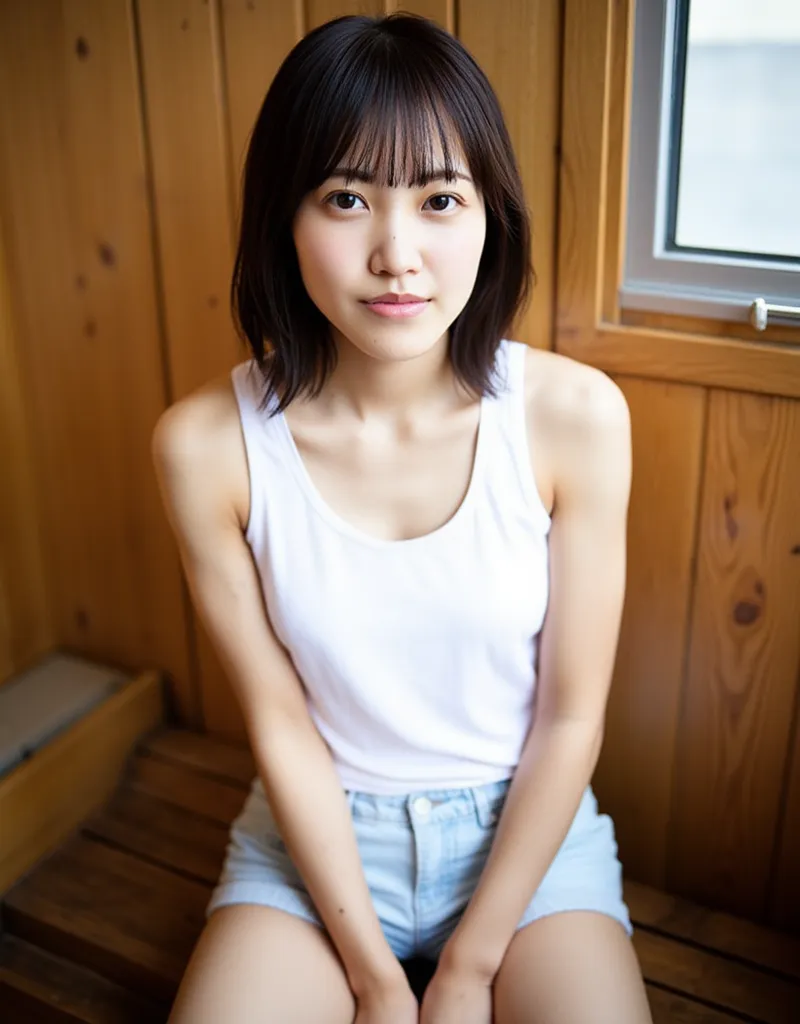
[(438, 174)]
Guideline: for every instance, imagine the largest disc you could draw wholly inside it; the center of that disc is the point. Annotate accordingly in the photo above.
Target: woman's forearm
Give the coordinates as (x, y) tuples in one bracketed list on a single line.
[(310, 808), (556, 765)]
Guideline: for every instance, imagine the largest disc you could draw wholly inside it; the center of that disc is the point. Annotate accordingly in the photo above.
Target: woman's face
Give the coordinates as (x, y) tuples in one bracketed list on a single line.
[(359, 241)]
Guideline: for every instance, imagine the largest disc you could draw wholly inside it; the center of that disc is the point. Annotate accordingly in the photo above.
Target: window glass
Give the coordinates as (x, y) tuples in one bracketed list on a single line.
[(738, 132)]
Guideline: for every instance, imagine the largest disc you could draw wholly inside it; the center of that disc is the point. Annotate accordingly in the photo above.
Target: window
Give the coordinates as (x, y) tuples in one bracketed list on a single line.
[(714, 174)]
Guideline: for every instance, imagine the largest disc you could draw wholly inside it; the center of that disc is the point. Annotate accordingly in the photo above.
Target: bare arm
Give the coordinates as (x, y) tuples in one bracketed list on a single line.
[(590, 429), (294, 763)]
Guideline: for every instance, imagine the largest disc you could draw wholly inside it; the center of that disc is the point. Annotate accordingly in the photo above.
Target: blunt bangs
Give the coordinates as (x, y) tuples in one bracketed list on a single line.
[(381, 98), (392, 144)]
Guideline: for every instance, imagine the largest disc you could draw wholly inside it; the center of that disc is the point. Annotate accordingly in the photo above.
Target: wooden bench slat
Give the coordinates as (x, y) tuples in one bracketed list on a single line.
[(218, 801), (19, 1007), (132, 922), (713, 929), (172, 837), (722, 982), (203, 754), (43, 987), (670, 1008)]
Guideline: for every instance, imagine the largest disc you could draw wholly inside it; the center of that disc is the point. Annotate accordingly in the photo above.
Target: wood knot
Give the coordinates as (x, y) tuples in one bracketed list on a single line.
[(82, 48), (731, 526), (745, 613), (749, 597), (107, 254)]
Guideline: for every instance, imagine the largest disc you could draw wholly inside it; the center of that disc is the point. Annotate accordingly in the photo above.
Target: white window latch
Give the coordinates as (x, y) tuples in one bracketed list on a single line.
[(761, 312)]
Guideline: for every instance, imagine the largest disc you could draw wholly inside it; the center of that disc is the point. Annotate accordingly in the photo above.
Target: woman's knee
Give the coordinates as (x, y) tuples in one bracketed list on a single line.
[(256, 964), (568, 968)]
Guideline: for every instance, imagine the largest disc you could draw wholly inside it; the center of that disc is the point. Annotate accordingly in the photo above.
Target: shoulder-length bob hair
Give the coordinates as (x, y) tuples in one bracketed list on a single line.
[(353, 87)]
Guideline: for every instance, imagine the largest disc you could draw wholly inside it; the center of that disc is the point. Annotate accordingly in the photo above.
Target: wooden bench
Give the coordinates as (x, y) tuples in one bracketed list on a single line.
[(101, 930)]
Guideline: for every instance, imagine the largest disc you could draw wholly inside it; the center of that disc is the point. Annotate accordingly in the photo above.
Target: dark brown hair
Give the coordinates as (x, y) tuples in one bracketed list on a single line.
[(352, 87)]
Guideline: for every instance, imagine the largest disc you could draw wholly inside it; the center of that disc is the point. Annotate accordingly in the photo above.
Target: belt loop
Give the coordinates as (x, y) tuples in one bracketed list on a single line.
[(489, 808), (483, 810)]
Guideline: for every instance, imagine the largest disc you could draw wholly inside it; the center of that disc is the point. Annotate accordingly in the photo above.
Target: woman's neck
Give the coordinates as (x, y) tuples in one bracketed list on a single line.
[(371, 389)]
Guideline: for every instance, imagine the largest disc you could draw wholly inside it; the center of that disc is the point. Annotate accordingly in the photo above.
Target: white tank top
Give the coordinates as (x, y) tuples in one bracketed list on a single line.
[(417, 656)]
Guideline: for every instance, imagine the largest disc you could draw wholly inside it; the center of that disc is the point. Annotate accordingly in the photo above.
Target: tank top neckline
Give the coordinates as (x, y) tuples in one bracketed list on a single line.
[(353, 532)]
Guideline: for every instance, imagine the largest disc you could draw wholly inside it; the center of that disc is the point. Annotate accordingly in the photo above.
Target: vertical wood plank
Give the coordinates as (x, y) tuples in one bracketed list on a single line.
[(35, 207), (441, 11), (189, 142), (617, 148), (785, 884), (521, 55), (75, 199), (633, 780), (256, 39), (585, 85), (784, 889), (744, 648), (26, 626), (320, 11)]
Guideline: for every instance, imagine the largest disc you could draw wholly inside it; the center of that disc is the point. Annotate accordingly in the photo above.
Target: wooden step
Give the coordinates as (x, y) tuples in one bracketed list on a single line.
[(111, 912), (36, 986), (126, 899), (203, 755), (714, 930), (718, 981), (162, 834), (175, 784)]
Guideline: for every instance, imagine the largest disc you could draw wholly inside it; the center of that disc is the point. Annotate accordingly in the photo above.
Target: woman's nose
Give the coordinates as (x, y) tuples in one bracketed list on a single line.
[(395, 251)]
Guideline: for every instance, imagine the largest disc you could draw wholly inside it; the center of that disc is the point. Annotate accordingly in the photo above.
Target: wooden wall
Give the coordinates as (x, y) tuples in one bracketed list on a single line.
[(121, 145)]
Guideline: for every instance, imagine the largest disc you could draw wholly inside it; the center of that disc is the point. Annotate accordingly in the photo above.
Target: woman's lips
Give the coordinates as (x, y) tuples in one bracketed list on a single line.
[(397, 309)]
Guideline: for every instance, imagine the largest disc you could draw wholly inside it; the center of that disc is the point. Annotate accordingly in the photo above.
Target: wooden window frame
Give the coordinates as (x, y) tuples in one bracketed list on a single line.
[(590, 325)]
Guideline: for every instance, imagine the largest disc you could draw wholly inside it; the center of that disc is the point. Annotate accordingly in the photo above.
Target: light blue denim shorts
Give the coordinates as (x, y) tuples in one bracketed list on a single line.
[(422, 855)]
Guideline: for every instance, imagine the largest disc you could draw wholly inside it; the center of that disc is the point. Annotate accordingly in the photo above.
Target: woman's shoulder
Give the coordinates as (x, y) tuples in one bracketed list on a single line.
[(576, 418), (563, 395), (200, 435), (202, 418)]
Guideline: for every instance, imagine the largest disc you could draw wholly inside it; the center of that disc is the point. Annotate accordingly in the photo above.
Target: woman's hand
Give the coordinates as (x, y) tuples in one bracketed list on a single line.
[(388, 1004), (457, 997)]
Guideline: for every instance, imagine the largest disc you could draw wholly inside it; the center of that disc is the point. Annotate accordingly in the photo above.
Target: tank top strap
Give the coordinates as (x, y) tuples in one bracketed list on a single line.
[(248, 387), (264, 443), (259, 424), (510, 422)]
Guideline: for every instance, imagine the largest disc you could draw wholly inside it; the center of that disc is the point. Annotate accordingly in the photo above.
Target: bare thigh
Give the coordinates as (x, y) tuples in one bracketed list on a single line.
[(569, 968), (257, 965)]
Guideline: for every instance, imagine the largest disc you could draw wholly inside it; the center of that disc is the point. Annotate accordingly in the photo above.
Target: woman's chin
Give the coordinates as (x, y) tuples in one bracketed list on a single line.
[(394, 346)]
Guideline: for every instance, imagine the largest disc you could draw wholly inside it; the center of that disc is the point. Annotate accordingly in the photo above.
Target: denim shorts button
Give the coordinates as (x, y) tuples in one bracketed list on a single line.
[(422, 805)]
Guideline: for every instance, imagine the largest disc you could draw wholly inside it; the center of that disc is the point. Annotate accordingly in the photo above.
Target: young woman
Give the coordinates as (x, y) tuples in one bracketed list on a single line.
[(405, 534)]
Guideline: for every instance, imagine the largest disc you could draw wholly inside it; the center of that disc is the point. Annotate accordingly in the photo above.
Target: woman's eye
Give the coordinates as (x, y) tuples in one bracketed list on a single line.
[(348, 196), (438, 198)]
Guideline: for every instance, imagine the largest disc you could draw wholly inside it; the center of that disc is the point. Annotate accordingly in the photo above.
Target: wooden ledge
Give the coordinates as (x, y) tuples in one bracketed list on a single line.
[(44, 799)]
